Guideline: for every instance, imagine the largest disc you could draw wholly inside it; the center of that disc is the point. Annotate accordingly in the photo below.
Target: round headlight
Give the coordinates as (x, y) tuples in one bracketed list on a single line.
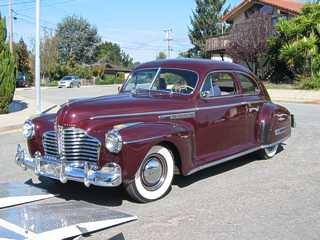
[(113, 141), (28, 129)]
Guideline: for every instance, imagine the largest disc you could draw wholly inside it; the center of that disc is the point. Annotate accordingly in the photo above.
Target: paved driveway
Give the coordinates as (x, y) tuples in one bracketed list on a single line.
[(242, 199), (55, 95)]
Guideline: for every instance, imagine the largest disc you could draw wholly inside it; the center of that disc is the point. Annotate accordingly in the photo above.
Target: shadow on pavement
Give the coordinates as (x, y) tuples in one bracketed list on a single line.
[(111, 197), (184, 181), (114, 197), (17, 106)]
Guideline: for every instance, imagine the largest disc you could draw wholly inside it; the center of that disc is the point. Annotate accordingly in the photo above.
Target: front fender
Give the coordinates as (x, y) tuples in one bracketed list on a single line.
[(139, 139)]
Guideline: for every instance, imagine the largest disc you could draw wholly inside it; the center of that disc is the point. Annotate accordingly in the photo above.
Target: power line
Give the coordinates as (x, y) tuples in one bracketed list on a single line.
[(33, 23), (24, 16), (17, 3), (168, 39), (10, 27)]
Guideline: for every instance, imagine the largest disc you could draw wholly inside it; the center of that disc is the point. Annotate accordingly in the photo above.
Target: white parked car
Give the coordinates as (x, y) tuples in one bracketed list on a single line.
[(69, 82)]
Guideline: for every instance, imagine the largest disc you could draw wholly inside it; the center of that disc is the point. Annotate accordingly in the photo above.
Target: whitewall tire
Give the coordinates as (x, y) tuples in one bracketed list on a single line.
[(154, 177), (269, 152)]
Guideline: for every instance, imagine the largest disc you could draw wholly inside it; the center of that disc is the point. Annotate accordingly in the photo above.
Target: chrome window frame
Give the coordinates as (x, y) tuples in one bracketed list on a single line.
[(253, 80), (159, 72), (238, 93), (222, 96)]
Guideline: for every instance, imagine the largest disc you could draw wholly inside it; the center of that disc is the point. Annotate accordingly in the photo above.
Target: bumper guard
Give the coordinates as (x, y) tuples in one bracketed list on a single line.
[(80, 171)]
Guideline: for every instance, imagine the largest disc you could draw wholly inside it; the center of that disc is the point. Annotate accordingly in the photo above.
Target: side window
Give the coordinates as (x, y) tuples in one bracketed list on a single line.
[(218, 84), (248, 85)]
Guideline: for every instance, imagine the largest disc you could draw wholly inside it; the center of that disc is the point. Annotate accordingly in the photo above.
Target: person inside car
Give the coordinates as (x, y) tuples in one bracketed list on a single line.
[(215, 90)]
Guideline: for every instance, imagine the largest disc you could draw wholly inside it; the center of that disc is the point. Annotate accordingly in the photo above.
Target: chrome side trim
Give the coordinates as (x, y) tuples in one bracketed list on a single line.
[(142, 140), (280, 131), (126, 125), (141, 114), (169, 112), (214, 163), (178, 116)]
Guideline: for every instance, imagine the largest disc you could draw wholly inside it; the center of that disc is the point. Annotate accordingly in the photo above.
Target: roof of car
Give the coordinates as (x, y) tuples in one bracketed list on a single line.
[(193, 64)]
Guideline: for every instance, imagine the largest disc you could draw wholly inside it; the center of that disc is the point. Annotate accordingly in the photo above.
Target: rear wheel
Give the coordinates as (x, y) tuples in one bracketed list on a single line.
[(269, 152), (154, 177)]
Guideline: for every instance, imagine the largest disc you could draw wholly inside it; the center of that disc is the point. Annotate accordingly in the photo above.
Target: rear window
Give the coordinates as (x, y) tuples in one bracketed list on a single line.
[(67, 78), (248, 85)]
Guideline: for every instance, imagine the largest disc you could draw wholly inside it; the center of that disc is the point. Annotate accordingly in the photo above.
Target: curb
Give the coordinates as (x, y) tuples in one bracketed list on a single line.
[(315, 101), (9, 129)]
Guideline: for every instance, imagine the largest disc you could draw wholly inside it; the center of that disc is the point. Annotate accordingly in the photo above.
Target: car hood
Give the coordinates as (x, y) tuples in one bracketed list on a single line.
[(76, 112)]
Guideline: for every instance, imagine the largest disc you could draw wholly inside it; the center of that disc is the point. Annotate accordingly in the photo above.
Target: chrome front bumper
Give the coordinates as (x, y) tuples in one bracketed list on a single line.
[(80, 171)]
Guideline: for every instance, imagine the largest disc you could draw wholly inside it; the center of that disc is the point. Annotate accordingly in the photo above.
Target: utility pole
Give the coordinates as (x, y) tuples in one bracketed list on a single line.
[(37, 59), (10, 27), (168, 39)]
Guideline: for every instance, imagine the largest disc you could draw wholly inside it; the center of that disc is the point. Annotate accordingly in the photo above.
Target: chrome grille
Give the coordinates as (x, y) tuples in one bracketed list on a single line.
[(50, 143), (75, 145)]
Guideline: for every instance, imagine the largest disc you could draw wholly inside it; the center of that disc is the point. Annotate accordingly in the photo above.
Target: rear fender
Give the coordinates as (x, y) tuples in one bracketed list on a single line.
[(139, 139), (274, 124)]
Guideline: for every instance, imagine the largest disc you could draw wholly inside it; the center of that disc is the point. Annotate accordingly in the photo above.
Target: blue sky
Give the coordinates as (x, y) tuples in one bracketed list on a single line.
[(136, 25)]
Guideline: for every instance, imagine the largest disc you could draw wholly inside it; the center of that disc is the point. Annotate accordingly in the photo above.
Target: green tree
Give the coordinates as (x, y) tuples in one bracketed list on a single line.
[(49, 56), (111, 53), (22, 57), (296, 45), (77, 39), (161, 55), (8, 70), (205, 23)]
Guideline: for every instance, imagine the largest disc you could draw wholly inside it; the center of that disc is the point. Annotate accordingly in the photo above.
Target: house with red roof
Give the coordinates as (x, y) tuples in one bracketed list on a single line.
[(244, 14)]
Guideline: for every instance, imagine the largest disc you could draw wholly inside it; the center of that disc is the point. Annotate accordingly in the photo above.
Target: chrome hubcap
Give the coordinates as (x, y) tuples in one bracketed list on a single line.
[(153, 172), (270, 151)]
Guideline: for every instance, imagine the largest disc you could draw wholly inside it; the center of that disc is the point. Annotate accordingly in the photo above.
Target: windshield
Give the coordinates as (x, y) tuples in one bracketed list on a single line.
[(67, 78), (168, 80)]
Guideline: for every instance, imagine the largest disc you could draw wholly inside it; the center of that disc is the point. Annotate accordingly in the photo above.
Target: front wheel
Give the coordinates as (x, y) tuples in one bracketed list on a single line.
[(154, 177), (269, 152)]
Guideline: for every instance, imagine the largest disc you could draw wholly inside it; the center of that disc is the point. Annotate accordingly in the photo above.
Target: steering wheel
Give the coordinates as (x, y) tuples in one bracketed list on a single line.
[(182, 88)]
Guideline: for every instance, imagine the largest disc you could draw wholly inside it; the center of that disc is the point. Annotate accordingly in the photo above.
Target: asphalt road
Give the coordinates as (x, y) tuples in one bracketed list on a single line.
[(55, 95), (243, 199)]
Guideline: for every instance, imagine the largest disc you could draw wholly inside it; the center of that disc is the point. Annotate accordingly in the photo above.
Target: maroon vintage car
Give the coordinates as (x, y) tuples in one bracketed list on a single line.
[(170, 117)]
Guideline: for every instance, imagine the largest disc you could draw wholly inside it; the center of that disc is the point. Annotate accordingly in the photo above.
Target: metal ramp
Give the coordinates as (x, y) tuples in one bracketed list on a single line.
[(52, 220), (12, 194)]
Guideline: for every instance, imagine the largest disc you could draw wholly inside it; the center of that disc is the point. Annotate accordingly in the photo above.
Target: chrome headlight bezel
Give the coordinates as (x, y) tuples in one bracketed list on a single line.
[(28, 129), (113, 141)]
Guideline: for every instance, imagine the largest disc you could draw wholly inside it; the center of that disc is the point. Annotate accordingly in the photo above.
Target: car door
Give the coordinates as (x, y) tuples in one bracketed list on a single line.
[(252, 96), (220, 118)]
